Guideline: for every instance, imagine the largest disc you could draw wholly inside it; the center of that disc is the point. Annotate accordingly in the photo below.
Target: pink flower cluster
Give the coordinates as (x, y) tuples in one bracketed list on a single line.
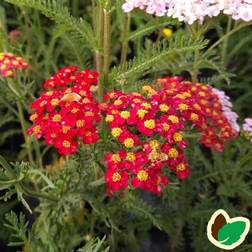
[(247, 127), (192, 10), (227, 108)]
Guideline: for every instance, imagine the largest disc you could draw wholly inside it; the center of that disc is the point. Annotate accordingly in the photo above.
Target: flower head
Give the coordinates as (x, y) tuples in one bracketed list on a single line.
[(247, 127), (151, 129), (192, 10), (10, 63), (67, 112)]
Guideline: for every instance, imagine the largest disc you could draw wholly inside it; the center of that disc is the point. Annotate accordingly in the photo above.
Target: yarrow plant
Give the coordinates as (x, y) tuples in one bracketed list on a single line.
[(10, 63), (151, 130), (67, 112), (192, 10), (138, 138)]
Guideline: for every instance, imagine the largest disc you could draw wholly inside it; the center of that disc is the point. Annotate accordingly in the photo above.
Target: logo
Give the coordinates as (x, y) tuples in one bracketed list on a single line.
[(225, 232)]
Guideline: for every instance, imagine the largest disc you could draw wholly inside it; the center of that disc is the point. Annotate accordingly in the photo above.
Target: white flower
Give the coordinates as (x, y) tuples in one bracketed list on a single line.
[(191, 10)]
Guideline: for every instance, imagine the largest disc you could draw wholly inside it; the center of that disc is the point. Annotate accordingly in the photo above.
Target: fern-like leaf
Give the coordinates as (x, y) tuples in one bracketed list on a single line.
[(55, 10), (151, 56)]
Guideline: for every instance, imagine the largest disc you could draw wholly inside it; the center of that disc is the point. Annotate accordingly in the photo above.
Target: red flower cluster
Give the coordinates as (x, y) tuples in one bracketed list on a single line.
[(67, 112), (152, 129), (9, 63)]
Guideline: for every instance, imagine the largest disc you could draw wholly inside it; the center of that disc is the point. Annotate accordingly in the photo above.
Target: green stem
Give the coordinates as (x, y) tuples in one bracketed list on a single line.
[(225, 42), (194, 73), (106, 44), (125, 33), (35, 194), (22, 122), (98, 55), (75, 7)]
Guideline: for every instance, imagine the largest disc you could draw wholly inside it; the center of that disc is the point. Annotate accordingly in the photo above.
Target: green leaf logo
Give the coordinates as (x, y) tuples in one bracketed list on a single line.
[(225, 232)]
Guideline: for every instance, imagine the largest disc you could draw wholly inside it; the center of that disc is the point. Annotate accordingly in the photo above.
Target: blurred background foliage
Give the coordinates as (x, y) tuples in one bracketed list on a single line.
[(70, 212)]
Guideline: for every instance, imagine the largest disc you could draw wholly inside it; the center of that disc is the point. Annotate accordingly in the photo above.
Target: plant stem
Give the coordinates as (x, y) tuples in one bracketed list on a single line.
[(75, 7), (22, 122), (98, 55), (225, 42), (194, 73), (125, 33), (35, 194), (106, 44)]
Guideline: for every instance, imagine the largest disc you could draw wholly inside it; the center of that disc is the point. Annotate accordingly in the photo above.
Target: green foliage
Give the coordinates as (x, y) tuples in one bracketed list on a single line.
[(71, 207), (18, 227), (94, 245), (156, 52), (55, 10)]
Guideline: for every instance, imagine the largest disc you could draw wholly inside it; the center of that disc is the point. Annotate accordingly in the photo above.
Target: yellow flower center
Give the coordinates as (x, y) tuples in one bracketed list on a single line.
[(183, 106), (148, 89), (80, 123), (74, 110), (196, 106), (177, 137), (125, 114), (9, 73), (174, 119), (150, 124), (194, 117), (89, 113), (141, 113), (146, 105), (66, 144), (173, 153), (186, 94), (202, 94), (202, 101), (85, 101), (15, 62), (36, 129), (54, 102), (109, 118), (154, 144), (181, 167), (116, 132), (116, 158), (166, 126), (131, 157), (163, 107), (116, 177), (65, 129), (129, 142), (57, 118), (33, 117), (136, 100), (142, 175), (82, 93), (117, 102), (49, 93)]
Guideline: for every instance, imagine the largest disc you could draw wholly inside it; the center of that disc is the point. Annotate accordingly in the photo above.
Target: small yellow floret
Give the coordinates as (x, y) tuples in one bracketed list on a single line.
[(142, 175)]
